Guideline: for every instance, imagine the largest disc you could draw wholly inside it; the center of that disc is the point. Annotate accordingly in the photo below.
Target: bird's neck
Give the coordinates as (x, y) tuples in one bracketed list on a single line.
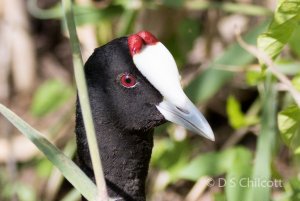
[(125, 157)]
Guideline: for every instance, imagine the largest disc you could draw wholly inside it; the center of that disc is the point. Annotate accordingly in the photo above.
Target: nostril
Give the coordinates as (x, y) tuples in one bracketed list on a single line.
[(182, 110)]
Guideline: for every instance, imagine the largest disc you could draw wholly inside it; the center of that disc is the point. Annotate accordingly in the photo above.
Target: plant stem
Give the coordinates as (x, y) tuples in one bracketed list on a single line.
[(265, 143), (267, 60), (84, 101)]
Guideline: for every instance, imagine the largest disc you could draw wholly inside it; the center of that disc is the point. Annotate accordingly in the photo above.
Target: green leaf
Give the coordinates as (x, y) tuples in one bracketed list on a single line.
[(289, 127), (49, 96), (235, 115), (67, 167), (281, 28), (237, 118)]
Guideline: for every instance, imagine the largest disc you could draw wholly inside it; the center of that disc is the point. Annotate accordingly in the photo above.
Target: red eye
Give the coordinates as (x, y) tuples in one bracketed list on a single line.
[(128, 80)]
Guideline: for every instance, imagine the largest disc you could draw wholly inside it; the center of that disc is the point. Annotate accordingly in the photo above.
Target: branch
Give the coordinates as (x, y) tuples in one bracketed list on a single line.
[(262, 56)]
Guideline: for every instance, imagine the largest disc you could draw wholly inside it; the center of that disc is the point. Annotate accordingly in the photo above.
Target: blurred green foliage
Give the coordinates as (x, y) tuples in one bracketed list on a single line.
[(213, 79), (23, 191), (182, 159), (49, 96)]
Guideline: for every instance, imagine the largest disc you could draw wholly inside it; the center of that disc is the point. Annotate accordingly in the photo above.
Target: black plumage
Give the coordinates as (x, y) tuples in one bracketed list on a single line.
[(126, 107), (124, 120)]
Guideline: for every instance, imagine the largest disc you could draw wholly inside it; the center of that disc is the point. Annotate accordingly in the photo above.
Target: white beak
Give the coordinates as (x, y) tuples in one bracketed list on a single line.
[(157, 64), (187, 116)]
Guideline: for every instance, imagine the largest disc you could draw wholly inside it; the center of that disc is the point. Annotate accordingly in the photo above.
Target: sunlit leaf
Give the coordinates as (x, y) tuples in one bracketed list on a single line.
[(289, 126), (237, 118), (235, 115), (281, 28)]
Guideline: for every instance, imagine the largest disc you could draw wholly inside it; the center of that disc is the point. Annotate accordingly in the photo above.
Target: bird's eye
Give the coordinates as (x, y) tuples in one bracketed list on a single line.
[(128, 80)]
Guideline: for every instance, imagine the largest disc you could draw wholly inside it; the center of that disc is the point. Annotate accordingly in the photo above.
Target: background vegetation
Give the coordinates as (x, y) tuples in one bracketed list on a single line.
[(251, 101)]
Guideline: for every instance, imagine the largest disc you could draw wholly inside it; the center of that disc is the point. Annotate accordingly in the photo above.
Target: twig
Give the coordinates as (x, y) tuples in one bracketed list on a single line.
[(261, 55), (84, 101), (235, 137), (190, 76), (198, 189)]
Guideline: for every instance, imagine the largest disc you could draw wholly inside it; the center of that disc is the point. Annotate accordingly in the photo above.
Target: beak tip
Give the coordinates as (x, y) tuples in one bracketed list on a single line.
[(193, 121), (210, 136)]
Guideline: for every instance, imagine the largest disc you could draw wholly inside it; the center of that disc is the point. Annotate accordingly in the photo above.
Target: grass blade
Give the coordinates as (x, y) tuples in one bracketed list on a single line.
[(84, 101), (66, 166)]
